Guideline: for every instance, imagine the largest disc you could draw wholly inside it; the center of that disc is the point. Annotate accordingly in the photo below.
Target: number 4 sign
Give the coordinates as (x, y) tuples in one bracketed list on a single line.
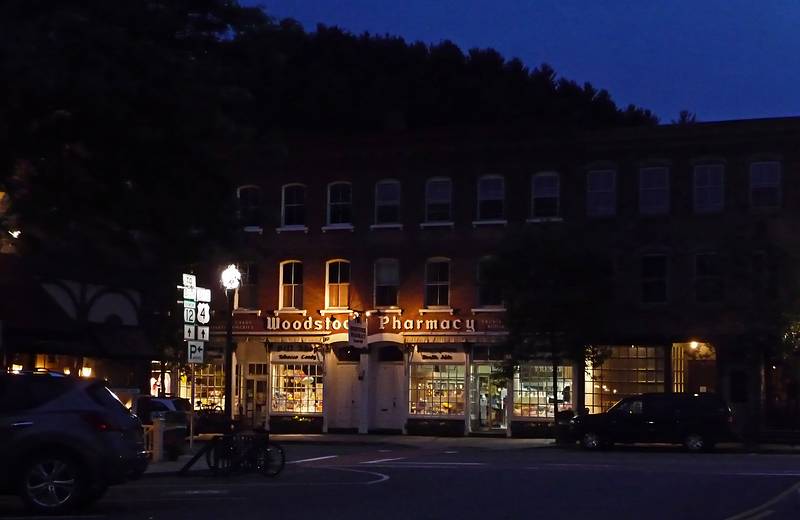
[(203, 313)]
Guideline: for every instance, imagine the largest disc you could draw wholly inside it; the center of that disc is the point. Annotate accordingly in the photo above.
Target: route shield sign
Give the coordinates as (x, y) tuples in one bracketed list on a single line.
[(203, 313)]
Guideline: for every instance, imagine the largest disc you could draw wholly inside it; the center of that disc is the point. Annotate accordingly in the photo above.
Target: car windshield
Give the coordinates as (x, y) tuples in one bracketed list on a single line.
[(102, 395)]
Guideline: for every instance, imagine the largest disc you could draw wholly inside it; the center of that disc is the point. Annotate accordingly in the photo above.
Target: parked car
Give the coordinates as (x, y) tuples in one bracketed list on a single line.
[(64, 440), (698, 421), (176, 414)]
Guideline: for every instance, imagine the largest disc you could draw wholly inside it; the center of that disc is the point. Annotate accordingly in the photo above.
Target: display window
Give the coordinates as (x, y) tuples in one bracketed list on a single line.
[(297, 388), (533, 390), (436, 389), (629, 370)]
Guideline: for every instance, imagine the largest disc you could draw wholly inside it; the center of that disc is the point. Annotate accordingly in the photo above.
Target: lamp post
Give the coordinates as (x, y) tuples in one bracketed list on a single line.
[(231, 278)]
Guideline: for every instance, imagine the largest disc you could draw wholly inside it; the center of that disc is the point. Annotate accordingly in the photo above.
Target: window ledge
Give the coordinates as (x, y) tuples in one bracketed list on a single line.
[(278, 312), (442, 310), (338, 227), (544, 219), (283, 229), (386, 226), (386, 310), (488, 309), (242, 310), (448, 223), (323, 312), (495, 222), (253, 229)]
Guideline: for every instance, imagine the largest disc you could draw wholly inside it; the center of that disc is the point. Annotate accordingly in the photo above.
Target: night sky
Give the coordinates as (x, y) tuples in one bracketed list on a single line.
[(722, 59)]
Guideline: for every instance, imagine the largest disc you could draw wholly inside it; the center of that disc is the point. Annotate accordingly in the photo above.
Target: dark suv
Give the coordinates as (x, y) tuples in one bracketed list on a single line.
[(698, 421), (64, 440)]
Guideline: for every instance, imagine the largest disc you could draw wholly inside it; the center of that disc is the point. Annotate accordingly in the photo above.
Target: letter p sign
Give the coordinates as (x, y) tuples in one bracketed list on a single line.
[(195, 353)]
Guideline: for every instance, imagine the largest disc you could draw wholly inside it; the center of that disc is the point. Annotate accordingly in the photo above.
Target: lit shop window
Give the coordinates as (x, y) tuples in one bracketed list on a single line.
[(765, 185), (629, 370), (708, 188), (707, 278), (545, 192), (654, 279), (297, 388), (533, 390), (337, 287), (249, 200), (491, 196), (340, 203), (436, 389), (209, 386), (294, 205), (489, 294), (387, 202), (654, 191), (387, 280), (291, 285), (438, 196), (601, 193), (437, 283)]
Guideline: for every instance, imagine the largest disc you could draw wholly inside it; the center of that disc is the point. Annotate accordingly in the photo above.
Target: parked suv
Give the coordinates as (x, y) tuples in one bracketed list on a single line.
[(698, 421), (64, 440)]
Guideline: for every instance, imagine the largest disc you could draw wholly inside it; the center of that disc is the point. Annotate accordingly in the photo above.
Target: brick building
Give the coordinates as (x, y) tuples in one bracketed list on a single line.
[(397, 229)]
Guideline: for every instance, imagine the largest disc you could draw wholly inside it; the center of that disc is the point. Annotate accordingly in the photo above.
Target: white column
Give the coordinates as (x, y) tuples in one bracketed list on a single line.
[(366, 402), (467, 389), (509, 405)]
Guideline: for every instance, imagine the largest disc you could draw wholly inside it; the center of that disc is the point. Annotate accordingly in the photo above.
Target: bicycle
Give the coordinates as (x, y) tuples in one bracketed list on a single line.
[(245, 453)]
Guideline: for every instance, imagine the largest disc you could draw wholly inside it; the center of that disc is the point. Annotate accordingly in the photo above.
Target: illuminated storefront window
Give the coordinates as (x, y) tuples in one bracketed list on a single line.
[(533, 390), (630, 370), (297, 388), (209, 386), (437, 389)]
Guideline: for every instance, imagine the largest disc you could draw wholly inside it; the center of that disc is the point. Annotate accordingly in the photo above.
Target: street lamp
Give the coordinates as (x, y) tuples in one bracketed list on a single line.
[(231, 278)]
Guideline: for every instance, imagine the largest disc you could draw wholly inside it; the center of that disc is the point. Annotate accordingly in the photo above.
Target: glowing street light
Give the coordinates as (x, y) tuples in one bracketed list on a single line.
[(231, 278)]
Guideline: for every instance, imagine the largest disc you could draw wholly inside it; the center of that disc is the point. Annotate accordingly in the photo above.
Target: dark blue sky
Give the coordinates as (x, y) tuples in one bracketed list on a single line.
[(722, 59)]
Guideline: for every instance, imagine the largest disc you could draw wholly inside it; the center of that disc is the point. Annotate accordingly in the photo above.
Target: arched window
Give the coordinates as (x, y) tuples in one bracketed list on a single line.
[(293, 210), (438, 199), (337, 284), (545, 195), (340, 203), (387, 202), (491, 197), (387, 281), (437, 283), (291, 295), (249, 201)]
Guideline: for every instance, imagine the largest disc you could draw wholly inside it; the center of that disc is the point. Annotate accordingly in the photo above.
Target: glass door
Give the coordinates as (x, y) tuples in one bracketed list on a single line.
[(487, 399)]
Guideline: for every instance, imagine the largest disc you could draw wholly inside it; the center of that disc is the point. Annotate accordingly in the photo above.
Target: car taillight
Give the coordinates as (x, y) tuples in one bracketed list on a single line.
[(98, 422)]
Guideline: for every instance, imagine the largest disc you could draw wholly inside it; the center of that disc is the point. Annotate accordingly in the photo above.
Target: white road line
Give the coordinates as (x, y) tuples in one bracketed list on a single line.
[(312, 460), (195, 492), (763, 514), (381, 477), (425, 463), (384, 451), (376, 461), (451, 452), (67, 517)]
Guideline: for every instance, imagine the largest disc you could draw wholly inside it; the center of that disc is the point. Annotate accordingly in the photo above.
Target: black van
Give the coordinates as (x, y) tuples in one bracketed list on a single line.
[(698, 421)]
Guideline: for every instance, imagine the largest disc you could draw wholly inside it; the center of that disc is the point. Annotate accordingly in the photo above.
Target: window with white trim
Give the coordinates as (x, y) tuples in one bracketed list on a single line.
[(387, 281), (291, 294), (294, 205), (438, 199), (654, 190), (337, 285), (708, 188), (545, 195), (340, 203), (247, 294), (489, 294), (601, 193), (437, 283), (249, 201), (491, 197), (765, 185), (654, 278), (387, 202), (707, 278)]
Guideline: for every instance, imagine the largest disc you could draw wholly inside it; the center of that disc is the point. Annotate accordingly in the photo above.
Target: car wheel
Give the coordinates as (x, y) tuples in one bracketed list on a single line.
[(591, 441), (53, 483), (695, 442)]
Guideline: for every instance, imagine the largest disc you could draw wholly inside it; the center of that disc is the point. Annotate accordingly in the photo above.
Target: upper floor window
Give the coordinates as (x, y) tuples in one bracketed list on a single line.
[(437, 283), (654, 278), (491, 197), (247, 295), (765, 185), (708, 188), (489, 294), (707, 278), (545, 195), (654, 190), (291, 295), (438, 199), (249, 199), (387, 281), (337, 285), (340, 203), (387, 202), (601, 193), (294, 205)]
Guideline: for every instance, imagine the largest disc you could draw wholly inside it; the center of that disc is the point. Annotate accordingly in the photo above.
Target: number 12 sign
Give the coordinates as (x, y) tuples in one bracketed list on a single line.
[(189, 315)]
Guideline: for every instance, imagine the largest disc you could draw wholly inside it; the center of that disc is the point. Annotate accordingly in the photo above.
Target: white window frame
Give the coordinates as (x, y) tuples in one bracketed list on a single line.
[(666, 189), (448, 261), (378, 204), (717, 168), (778, 185), (239, 189), (282, 304), (553, 218), (293, 227), (495, 307), (607, 212), (339, 225), (396, 262), (328, 305), (483, 219), (432, 223)]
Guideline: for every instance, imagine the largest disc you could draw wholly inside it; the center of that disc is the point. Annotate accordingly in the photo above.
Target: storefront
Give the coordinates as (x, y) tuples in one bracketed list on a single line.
[(297, 388), (437, 390)]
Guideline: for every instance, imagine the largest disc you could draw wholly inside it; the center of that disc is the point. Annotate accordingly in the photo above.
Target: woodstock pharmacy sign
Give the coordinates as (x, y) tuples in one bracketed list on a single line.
[(383, 323)]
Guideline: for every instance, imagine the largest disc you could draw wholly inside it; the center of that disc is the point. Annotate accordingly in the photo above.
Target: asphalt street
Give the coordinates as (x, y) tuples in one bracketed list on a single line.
[(401, 482)]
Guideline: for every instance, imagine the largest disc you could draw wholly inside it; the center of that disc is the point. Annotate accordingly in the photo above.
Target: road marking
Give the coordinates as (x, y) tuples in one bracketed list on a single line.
[(449, 452), (749, 514), (422, 462), (765, 514), (384, 451), (382, 477), (376, 461), (312, 460), (200, 492), (81, 517)]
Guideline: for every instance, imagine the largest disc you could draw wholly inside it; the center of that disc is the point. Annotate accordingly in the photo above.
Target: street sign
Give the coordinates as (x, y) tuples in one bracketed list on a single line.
[(189, 315), (357, 333), (203, 295), (189, 304), (203, 313), (188, 332), (202, 333), (189, 280), (195, 353), (189, 293)]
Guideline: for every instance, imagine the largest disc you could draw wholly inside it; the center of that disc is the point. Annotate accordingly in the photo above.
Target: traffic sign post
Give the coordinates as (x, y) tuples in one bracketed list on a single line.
[(196, 309)]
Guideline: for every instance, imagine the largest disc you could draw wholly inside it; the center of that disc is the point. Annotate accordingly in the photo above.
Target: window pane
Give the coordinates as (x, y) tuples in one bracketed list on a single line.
[(438, 191), (491, 188), (601, 193), (387, 192), (386, 272), (438, 272), (385, 214), (386, 296), (438, 212), (490, 209), (545, 207), (340, 193)]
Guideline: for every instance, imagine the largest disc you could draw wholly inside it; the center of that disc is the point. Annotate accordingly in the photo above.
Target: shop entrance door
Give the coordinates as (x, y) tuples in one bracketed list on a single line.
[(487, 399), (389, 402), (346, 398), (254, 400)]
